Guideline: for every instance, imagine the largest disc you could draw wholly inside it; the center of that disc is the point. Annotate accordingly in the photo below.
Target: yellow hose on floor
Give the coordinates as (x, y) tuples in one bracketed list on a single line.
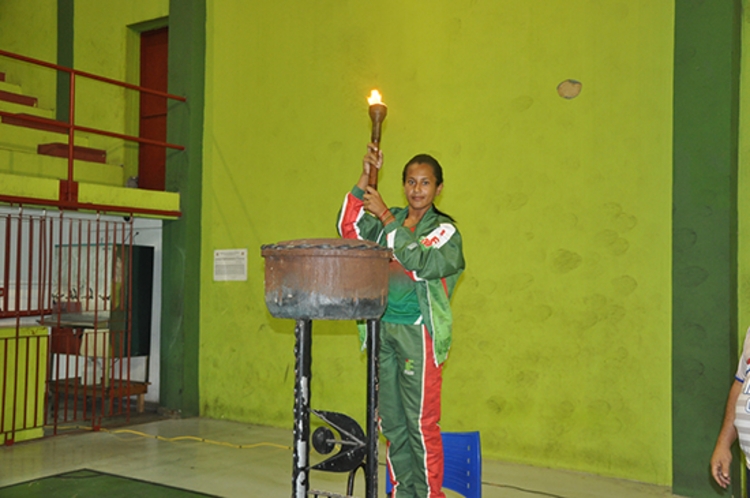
[(177, 438)]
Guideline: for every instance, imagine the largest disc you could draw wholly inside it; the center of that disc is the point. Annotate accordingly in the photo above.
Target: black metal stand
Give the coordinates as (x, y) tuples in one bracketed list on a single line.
[(302, 374), (302, 383), (373, 382)]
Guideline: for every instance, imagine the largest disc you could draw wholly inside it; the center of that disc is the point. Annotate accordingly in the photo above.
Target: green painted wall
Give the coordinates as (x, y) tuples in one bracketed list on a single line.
[(562, 352), (65, 57), (743, 184), (180, 326), (30, 31), (706, 116), (743, 199)]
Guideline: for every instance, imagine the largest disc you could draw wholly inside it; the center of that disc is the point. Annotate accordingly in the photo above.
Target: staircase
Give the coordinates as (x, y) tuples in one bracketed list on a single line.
[(34, 159), (33, 143)]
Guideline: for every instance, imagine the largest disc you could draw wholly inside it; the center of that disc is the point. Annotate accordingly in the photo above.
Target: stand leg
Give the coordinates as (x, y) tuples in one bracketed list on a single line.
[(373, 380), (302, 380)]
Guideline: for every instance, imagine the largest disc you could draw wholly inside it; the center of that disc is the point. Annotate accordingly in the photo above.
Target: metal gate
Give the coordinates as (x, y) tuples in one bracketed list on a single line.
[(65, 321)]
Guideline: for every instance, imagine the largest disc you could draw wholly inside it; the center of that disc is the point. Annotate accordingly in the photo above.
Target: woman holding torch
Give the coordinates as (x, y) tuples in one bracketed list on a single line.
[(416, 326)]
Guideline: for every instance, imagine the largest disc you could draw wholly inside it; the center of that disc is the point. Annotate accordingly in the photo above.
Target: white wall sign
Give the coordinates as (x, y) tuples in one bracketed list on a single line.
[(230, 265)]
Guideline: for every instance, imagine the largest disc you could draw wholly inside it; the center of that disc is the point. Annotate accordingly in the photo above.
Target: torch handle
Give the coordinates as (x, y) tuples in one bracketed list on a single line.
[(377, 115), (373, 181)]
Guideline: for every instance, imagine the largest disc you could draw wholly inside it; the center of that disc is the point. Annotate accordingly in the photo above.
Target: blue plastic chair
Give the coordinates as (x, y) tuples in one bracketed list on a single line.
[(462, 471)]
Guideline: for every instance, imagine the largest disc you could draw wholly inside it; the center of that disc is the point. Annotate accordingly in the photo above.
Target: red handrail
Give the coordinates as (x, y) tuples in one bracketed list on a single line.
[(66, 126), (68, 190), (91, 75), (89, 206)]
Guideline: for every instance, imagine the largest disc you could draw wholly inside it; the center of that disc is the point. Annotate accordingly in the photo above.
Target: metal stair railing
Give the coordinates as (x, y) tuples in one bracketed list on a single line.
[(68, 198)]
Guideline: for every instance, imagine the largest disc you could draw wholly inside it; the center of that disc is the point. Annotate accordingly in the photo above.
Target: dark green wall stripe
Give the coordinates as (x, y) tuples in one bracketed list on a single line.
[(65, 23), (704, 332), (180, 325)]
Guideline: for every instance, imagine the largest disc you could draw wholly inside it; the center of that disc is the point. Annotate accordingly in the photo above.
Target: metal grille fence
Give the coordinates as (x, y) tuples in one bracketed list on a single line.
[(65, 321)]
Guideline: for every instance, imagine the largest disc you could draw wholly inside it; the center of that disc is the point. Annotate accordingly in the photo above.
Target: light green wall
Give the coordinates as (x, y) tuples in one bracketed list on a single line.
[(106, 46), (562, 320), (30, 31)]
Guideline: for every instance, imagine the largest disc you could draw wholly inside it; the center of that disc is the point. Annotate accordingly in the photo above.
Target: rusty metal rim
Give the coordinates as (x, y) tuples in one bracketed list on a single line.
[(327, 246)]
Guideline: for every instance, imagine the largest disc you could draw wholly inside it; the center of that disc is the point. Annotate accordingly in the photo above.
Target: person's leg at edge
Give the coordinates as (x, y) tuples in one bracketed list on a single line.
[(392, 418)]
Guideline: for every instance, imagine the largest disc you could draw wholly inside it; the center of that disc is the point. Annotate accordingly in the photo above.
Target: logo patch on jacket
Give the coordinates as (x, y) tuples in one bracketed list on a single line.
[(409, 367), (438, 237)]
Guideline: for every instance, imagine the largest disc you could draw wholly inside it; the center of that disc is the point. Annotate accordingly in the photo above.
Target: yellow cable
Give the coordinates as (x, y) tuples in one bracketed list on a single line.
[(177, 438)]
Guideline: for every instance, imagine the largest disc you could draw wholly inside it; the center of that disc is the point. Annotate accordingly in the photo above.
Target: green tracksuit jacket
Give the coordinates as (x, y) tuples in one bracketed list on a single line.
[(432, 254)]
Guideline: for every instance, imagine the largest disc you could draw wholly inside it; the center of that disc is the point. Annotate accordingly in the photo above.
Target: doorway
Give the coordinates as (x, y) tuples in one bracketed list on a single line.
[(153, 109)]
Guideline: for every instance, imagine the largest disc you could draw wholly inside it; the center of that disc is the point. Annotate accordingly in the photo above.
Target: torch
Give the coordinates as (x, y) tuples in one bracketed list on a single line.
[(378, 110)]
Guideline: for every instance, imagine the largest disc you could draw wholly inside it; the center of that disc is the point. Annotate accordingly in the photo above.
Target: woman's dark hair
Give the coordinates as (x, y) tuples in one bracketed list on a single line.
[(437, 170)]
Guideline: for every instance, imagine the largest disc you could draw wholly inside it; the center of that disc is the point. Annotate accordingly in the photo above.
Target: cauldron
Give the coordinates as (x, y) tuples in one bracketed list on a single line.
[(326, 279)]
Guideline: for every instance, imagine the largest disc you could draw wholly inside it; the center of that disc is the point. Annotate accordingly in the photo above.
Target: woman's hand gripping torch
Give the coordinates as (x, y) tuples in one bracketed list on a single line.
[(378, 111)]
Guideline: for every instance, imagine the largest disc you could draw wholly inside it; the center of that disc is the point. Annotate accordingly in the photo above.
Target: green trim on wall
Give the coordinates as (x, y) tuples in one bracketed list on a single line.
[(65, 23), (704, 278), (181, 238), (150, 25)]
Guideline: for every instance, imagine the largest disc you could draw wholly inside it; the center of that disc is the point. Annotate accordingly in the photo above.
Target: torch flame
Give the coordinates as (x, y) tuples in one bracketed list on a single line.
[(374, 98)]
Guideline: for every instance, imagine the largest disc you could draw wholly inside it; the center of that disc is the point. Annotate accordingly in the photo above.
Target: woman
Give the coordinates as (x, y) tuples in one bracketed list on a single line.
[(416, 326)]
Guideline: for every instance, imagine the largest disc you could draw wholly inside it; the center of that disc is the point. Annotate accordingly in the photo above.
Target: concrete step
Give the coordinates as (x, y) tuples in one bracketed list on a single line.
[(16, 108), (27, 139), (37, 165), (59, 149), (48, 189), (10, 87)]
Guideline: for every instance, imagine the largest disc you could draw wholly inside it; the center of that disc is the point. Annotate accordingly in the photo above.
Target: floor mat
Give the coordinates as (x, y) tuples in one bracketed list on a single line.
[(87, 483)]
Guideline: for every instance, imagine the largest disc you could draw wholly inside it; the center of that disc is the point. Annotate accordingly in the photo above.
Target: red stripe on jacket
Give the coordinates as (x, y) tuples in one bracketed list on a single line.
[(350, 214)]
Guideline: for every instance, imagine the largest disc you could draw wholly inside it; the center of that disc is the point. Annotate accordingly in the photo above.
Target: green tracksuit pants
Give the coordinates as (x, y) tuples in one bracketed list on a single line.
[(410, 385)]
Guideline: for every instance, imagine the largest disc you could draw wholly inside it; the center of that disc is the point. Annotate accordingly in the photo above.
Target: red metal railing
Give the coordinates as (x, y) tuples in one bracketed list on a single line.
[(68, 187), (75, 276), (24, 254)]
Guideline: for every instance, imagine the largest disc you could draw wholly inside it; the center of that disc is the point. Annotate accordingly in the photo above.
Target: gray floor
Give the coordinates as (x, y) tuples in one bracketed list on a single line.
[(230, 462)]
